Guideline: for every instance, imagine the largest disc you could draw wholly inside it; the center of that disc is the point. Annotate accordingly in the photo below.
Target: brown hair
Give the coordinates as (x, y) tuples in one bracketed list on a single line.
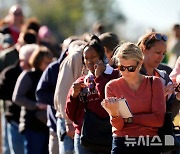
[(32, 23), (148, 40), (38, 55), (109, 40)]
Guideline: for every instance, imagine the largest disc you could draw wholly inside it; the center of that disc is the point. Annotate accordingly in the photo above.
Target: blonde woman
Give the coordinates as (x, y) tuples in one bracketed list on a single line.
[(145, 99)]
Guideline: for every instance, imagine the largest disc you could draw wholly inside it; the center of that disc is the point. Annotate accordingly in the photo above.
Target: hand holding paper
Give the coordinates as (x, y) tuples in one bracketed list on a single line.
[(117, 106), (111, 106), (124, 109)]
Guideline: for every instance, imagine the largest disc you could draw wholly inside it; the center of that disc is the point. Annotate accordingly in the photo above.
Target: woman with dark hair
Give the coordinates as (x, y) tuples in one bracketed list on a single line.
[(154, 46), (99, 74)]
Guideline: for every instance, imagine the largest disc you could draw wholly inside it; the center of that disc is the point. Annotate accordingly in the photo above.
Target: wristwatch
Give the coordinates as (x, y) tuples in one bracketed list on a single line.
[(128, 120)]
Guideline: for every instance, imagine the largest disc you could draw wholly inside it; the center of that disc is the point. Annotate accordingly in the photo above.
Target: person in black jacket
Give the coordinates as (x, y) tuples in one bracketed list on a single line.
[(33, 114), (8, 79)]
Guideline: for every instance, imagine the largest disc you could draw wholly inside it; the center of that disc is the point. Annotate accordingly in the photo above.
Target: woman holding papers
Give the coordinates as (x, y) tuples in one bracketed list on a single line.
[(136, 130)]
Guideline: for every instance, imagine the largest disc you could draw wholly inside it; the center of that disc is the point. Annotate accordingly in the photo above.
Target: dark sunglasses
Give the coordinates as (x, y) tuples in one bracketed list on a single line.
[(129, 68), (158, 37)]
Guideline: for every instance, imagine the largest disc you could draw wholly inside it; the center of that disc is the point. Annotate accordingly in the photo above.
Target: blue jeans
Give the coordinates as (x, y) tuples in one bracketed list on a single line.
[(119, 146), (178, 137), (66, 144), (36, 142), (15, 139), (5, 143), (78, 148), (53, 142)]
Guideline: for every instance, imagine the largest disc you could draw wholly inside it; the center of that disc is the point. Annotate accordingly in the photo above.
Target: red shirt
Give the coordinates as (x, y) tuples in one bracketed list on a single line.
[(148, 113), (14, 33), (75, 107)]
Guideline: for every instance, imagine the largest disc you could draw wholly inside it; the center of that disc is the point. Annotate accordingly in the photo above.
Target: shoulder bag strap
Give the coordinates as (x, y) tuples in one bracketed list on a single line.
[(151, 81)]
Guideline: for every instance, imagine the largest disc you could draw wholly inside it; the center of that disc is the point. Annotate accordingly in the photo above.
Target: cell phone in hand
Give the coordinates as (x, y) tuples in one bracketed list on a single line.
[(177, 88)]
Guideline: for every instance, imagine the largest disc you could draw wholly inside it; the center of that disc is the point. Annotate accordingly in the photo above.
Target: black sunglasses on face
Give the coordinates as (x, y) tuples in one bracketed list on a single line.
[(129, 68), (158, 37)]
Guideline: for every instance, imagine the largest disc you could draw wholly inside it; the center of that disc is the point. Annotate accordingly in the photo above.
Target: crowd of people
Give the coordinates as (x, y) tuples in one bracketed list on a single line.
[(46, 88)]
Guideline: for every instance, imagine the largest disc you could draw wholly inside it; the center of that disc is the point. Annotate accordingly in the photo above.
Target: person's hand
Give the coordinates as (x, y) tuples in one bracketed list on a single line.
[(99, 68), (70, 130), (178, 78), (111, 105), (41, 106), (177, 90), (77, 89), (178, 96), (169, 89)]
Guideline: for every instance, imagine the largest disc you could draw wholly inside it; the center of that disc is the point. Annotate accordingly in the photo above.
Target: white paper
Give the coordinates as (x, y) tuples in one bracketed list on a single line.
[(124, 109)]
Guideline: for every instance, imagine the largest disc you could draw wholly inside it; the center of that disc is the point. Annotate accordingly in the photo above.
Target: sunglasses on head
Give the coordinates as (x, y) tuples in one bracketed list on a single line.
[(158, 37), (129, 68)]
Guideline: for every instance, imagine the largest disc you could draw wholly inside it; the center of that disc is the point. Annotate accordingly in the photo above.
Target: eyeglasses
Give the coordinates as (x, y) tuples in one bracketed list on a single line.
[(129, 68), (158, 37)]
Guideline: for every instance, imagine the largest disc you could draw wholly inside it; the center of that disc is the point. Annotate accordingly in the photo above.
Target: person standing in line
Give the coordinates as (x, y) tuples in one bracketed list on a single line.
[(69, 70), (154, 48), (144, 99), (45, 94), (98, 75), (175, 74), (8, 57), (98, 28), (174, 45), (110, 41), (33, 114), (8, 79), (15, 21), (175, 77)]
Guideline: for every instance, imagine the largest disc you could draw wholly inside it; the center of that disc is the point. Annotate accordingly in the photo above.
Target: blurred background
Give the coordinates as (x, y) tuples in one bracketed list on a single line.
[(127, 18)]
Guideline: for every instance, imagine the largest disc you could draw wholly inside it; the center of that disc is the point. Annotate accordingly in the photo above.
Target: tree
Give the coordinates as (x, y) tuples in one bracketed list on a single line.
[(108, 12), (74, 17)]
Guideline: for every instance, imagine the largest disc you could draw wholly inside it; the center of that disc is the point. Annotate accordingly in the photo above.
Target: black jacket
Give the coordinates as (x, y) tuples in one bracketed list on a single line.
[(8, 79)]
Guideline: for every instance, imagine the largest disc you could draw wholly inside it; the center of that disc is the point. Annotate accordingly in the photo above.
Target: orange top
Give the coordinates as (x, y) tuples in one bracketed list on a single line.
[(147, 105)]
